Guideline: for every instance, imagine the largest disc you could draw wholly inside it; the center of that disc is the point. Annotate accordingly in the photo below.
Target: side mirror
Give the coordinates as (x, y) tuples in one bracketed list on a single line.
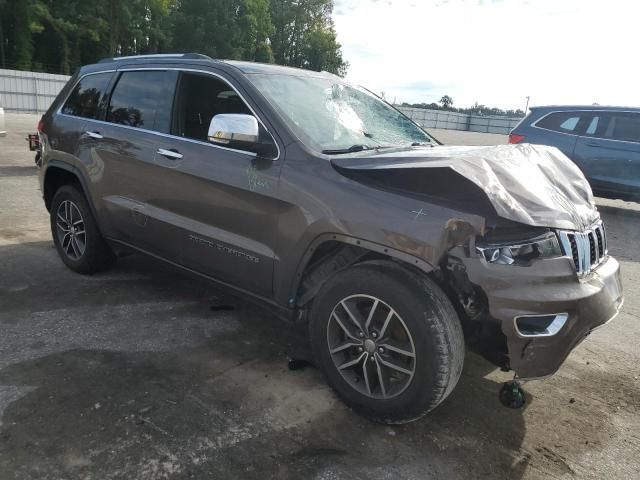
[(241, 131), (233, 127)]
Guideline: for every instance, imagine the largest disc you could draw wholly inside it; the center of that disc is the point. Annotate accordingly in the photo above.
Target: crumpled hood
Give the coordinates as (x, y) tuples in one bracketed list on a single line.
[(531, 184)]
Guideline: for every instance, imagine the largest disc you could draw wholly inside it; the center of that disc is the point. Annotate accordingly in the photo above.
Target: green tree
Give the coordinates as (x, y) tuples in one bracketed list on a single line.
[(60, 35), (305, 36), (3, 55), (254, 29), (236, 29), (446, 101), (322, 51), (16, 17)]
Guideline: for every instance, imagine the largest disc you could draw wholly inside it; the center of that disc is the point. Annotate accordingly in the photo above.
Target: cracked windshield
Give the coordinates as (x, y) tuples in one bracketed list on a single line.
[(334, 117)]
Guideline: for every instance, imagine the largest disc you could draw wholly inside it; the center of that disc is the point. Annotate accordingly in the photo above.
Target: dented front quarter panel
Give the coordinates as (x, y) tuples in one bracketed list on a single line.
[(323, 202)]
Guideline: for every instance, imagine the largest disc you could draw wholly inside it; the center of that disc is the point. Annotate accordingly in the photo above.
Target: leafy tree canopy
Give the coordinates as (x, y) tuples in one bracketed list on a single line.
[(57, 36)]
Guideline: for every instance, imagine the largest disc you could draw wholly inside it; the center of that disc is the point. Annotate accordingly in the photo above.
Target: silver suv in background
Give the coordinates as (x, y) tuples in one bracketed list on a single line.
[(603, 141)]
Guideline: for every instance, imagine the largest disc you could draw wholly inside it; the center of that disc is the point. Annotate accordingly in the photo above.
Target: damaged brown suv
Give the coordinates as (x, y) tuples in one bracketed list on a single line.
[(327, 205)]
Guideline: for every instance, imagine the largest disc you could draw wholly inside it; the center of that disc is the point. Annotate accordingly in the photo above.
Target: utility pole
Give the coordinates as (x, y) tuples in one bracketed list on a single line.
[(526, 107)]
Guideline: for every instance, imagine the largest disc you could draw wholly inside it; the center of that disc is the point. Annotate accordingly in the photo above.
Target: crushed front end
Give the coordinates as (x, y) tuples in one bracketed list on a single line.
[(536, 278), (544, 291)]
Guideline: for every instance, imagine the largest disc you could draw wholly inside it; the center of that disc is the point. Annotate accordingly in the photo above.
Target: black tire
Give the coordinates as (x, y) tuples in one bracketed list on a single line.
[(96, 254), (426, 314)]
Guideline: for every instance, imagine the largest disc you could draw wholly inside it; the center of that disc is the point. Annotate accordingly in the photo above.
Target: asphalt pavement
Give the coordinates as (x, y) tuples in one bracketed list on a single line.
[(144, 372)]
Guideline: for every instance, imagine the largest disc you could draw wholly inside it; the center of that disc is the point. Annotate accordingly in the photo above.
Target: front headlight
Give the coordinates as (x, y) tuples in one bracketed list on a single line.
[(521, 253)]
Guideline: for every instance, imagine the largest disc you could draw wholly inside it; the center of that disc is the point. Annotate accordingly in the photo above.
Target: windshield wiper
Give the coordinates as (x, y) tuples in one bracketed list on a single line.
[(351, 149), (355, 148)]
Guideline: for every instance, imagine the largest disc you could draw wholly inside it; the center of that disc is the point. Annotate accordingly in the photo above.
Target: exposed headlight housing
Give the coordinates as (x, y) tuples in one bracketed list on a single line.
[(521, 253)]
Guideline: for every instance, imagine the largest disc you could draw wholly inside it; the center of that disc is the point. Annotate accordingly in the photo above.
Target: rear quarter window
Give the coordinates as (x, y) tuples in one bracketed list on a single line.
[(600, 125), (565, 122), (87, 97)]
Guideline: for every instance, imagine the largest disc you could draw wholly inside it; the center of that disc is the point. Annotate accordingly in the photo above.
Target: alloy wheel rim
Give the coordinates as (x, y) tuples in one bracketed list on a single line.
[(70, 230), (371, 346)]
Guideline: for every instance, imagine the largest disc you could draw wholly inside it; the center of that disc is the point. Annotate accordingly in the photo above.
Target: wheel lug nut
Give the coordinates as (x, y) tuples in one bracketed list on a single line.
[(381, 350), (361, 334), (374, 334), (360, 349)]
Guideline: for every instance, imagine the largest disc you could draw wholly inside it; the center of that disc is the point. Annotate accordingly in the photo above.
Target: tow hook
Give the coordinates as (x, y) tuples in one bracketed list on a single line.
[(512, 395)]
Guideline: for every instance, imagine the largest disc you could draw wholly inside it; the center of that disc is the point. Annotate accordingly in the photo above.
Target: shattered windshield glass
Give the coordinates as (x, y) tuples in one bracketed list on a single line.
[(334, 117)]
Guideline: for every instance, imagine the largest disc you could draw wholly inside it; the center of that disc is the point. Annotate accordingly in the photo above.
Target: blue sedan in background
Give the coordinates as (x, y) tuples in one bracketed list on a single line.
[(603, 141)]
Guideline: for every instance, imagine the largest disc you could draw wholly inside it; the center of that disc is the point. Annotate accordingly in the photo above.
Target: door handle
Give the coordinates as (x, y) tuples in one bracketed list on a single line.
[(172, 154), (95, 135)]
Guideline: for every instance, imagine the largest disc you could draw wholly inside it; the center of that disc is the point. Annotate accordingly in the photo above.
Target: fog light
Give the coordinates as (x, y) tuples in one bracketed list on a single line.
[(540, 325)]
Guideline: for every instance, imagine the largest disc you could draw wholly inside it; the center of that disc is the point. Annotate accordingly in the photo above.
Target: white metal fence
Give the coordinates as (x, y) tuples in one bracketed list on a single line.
[(29, 92), (459, 121)]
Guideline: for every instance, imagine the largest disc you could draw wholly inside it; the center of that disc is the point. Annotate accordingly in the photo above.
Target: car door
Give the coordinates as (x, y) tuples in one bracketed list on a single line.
[(138, 116), (75, 135), (609, 149), (222, 202)]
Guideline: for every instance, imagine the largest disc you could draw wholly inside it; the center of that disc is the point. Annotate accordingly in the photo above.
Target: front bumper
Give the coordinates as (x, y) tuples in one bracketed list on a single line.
[(548, 287)]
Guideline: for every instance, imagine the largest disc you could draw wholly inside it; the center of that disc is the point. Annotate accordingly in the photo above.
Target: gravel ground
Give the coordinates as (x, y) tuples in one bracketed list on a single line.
[(137, 373)]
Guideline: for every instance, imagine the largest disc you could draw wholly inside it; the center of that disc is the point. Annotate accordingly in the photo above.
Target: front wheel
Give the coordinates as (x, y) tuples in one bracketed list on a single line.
[(387, 340)]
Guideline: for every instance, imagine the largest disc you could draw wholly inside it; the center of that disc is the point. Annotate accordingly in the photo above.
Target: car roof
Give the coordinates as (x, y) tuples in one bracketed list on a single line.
[(199, 59), (562, 108), (272, 69)]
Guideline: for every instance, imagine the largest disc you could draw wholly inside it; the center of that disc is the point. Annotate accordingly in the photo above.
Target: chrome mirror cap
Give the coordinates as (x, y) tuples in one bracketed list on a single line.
[(233, 127)]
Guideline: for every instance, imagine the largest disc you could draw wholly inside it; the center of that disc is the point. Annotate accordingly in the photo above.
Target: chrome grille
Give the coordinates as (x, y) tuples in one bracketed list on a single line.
[(587, 249)]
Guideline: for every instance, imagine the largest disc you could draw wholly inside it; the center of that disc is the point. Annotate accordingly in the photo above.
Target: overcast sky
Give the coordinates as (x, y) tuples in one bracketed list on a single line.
[(494, 52)]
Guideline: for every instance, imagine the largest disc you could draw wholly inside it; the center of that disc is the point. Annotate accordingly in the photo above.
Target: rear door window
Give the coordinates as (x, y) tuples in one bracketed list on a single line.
[(623, 126), (88, 96), (143, 99), (565, 122), (626, 127)]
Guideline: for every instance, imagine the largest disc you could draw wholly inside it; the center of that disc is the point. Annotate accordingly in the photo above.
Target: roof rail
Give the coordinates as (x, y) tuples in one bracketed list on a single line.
[(186, 56)]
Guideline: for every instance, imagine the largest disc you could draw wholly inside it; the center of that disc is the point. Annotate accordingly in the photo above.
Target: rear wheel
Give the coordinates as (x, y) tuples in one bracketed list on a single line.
[(76, 234), (387, 340)]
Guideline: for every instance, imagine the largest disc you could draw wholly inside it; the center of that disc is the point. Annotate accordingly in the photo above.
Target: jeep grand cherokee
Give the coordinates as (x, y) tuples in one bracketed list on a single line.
[(329, 206)]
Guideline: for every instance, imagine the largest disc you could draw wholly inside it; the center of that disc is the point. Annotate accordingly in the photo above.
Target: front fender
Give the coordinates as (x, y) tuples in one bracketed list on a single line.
[(410, 248)]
